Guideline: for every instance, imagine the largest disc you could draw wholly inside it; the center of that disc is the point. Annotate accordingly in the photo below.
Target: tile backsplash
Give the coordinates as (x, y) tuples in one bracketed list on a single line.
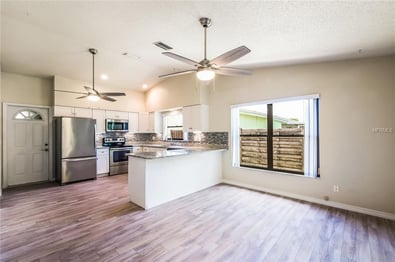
[(201, 138)]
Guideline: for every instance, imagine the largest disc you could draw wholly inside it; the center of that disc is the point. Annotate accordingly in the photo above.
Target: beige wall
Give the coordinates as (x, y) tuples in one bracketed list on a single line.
[(132, 102), (1, 137), (356, 96), (176, 92), (23, 89)]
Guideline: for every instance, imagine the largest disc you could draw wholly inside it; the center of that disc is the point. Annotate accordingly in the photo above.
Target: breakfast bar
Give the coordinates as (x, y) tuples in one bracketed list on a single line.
[(155, 178)]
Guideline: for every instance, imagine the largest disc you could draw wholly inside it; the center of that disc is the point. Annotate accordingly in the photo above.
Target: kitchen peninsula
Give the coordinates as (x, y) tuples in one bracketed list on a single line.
[(155, 178)]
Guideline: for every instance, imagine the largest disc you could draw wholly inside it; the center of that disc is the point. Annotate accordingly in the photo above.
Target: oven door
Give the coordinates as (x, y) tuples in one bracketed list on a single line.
[(118, 156)]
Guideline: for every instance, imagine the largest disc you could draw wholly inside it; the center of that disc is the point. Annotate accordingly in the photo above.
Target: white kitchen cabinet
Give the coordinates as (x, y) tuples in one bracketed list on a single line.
[(143, 122), (117, 115), (72, 111), (150, 122), (82, 112), (103, 161), (133, 122), (100, 116), (155, 122), (195, 118), (63, 111)]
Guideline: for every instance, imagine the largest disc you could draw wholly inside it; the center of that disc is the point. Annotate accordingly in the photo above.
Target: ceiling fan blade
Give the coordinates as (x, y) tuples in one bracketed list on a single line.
[(88, 89), (107, 98), (113, 94), (71, 92), (233, 71), (181, 58), (230, 56), (80, 97), (177, 73)]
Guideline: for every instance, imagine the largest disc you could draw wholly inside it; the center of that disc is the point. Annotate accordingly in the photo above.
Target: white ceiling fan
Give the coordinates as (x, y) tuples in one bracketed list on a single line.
[(206, 69), (91, 93)]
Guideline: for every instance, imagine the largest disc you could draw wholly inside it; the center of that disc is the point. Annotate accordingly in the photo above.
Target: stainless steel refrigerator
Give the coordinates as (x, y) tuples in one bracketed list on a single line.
[(75, 149)]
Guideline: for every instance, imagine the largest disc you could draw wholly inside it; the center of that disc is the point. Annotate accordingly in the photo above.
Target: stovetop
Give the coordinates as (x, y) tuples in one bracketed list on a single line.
[(115, 142)]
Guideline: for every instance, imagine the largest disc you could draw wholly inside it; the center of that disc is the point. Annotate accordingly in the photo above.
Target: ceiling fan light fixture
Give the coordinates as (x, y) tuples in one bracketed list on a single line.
[(93, 98), (205, 74)]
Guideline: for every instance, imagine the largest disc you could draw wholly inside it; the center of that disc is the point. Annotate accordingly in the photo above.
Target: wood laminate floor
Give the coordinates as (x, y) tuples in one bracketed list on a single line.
[(94, 221)]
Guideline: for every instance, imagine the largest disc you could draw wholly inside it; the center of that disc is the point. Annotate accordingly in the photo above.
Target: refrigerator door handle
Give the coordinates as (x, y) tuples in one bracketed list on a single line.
[(79, 159)]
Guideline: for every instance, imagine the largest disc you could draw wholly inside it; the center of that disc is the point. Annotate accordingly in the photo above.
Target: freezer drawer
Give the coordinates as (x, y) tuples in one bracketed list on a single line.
[(77, 169)]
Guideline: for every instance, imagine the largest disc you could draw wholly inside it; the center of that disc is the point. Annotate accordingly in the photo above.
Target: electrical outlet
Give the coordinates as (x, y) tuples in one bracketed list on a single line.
[(336, 188)]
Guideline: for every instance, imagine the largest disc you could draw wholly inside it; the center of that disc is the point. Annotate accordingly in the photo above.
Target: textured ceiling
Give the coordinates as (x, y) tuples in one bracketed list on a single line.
[(52, 38)]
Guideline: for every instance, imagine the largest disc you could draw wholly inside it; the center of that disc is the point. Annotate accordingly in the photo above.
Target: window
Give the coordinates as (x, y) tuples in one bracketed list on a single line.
[(27, 115), (279, 135), (172, 125)]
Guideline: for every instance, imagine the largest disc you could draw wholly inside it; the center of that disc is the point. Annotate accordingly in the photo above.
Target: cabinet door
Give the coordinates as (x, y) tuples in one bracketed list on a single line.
[(143, 122), (100, 116), (117, 115), (155, 122), (187, 119), (195, 118), (103, 161), (133, 122), (82, 112), (64, 111)]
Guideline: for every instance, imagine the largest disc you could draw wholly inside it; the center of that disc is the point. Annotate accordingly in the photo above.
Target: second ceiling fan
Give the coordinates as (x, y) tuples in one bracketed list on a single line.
[(206, 69), (94, 95)]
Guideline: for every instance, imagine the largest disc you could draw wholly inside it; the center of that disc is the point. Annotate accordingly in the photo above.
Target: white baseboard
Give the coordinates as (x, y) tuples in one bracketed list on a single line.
[(357, 209)]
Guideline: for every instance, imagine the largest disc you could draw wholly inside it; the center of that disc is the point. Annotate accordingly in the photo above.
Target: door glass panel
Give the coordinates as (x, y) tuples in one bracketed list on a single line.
[(27, 115)]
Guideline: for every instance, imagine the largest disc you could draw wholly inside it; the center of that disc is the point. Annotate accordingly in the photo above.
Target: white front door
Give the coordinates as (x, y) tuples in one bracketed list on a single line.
[(27, 144)]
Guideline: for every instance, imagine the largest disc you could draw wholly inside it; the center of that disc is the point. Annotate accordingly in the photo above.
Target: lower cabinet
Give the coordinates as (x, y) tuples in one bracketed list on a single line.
[(103, 161)]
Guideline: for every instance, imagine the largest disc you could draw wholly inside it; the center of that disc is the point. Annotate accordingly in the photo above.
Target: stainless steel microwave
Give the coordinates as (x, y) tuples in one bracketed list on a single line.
[(117, 125)]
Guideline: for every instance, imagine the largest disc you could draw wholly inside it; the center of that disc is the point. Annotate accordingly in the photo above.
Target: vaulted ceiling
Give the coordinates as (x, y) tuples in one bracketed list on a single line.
[(52, 38)]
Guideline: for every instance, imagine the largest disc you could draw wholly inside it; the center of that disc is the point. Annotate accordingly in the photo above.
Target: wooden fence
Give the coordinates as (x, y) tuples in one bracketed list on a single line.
[(287, 150)]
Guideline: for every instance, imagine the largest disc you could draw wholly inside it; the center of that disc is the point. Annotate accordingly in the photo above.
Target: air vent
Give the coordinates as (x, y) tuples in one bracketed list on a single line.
[(163, 45)]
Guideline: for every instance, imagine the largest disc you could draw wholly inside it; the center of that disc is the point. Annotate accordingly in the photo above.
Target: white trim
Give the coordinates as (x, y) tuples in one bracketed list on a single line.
[(357, 209), (5, 144), (277, 100)]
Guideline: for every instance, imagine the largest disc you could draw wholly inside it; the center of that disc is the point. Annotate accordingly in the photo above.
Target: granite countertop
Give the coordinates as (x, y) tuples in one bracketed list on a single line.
[(170, 153)]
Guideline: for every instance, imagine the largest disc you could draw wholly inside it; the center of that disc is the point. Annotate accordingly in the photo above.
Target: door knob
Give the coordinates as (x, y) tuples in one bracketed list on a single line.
[(46, 149)]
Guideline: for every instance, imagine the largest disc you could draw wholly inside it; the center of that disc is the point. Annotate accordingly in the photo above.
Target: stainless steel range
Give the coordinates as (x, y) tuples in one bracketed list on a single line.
[(118, 151)]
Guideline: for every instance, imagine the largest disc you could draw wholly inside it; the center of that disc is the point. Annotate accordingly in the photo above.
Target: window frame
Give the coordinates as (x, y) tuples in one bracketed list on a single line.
[(235, 132), (165, 125)]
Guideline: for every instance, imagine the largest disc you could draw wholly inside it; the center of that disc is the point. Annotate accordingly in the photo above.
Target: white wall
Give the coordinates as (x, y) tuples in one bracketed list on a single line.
[(176, 92), (132, 102), (356, 96)]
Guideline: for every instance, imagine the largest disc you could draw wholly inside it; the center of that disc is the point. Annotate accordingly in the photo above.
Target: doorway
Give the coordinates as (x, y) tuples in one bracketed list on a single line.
[(26, 145)]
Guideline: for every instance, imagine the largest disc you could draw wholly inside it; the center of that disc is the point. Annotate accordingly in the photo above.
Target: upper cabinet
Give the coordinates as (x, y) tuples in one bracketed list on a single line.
[(195, 118), (143, 122), (150, 122), (72, 111), (117, 115), (133, 122), (100, 116)]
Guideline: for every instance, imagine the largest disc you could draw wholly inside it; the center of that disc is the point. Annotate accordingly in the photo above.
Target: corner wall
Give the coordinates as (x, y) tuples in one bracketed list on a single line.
[(355, 96)]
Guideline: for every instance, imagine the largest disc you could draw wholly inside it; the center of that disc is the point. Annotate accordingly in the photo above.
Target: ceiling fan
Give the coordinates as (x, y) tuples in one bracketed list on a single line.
[(206, 69), (92, 94)]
